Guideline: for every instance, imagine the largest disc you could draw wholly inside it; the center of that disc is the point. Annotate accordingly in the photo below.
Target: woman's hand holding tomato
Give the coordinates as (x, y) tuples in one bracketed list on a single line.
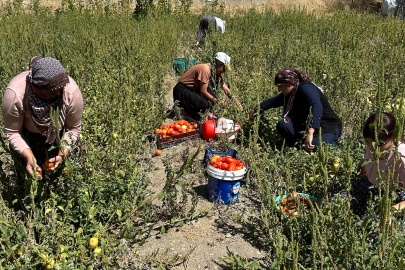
[(51, 164)]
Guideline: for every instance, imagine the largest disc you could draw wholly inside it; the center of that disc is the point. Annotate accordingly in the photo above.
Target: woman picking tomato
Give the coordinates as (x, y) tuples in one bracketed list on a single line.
[(299, 97), (27, 104), (195, 90), (361, 189)]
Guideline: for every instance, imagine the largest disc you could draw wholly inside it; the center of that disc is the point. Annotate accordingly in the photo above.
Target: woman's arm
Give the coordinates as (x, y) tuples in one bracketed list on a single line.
[(13, 117), (313, 100), (399, 206), (227, 92), (273, 102), (73, 123), (204, 93)]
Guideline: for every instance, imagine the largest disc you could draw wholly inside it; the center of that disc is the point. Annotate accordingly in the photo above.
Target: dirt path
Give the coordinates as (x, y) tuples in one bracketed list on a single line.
[(211, 237)]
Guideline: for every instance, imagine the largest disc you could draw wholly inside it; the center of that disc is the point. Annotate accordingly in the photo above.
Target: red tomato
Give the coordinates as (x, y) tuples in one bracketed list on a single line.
[(237, 168), (181, 130), (232, 167), (177, 127), (175, 132), (219, 163), (176, 123), (215, 159), (215, 165), (171, 126), (230, 160), (195, 126), (224, 166), (165, 127), (158, 131)]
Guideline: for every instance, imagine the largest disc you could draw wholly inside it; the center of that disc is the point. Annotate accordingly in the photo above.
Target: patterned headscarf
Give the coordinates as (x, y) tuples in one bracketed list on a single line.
[(292, 77), (46, 74)]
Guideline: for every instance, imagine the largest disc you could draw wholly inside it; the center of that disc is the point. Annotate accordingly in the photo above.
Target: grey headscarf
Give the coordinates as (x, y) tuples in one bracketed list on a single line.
[(48, 74)]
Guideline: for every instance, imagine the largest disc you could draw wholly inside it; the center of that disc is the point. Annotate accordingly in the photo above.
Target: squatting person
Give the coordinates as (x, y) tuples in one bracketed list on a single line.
[(205, 24), (196, 89), (299, 97), (367, 186), (27, 103)]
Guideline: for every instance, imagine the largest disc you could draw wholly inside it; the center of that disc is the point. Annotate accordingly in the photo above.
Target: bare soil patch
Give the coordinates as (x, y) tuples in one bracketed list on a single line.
[(209, 238)]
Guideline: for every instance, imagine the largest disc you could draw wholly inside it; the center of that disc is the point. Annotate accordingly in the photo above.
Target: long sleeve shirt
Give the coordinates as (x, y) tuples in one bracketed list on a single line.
[(15, 116), (384, 167), (307, 99)]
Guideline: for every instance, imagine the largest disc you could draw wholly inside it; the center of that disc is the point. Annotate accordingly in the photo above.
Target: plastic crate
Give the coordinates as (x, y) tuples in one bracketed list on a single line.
[(170, 141), (180, 64)]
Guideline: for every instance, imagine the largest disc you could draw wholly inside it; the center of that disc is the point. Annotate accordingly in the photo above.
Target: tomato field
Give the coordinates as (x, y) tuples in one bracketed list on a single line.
[(121, 63)]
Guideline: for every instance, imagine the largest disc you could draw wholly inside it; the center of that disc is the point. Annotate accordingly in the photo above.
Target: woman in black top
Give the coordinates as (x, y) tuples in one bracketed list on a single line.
[(298, 97)]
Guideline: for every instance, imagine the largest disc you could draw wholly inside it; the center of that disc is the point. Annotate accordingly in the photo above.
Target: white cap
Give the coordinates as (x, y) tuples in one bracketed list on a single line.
[(224, 58)]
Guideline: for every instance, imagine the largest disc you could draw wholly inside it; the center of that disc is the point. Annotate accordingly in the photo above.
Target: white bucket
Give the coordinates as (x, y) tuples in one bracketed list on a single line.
[(225, 175), (226, 128)]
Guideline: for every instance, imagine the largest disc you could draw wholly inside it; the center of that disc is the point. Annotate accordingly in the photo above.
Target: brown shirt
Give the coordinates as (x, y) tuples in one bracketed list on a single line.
[(196, 76)]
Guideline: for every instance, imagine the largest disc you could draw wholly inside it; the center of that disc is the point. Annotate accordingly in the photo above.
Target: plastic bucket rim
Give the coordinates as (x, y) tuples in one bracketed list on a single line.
[(231, 132), (218, 174)]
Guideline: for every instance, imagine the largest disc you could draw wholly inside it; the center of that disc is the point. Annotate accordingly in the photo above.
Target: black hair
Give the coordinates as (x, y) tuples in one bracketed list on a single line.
[(219, 63), (386, 133)]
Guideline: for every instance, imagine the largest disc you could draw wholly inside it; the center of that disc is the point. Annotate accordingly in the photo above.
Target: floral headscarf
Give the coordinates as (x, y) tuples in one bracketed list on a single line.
[(290, 76)]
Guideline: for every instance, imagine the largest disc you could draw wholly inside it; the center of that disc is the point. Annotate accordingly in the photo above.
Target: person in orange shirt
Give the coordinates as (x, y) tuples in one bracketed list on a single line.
[(195, 92)]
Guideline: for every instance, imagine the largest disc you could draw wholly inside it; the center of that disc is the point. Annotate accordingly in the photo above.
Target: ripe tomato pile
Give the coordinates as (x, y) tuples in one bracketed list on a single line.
[(176, 128), (226, 163), (290, 203)]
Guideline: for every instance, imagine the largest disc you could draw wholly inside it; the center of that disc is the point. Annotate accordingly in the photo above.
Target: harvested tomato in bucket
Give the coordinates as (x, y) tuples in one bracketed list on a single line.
[(223, 185)]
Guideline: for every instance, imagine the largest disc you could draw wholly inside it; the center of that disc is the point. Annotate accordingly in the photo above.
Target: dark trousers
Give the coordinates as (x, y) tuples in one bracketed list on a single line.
[(192, 102), (205, 26), (286, 130)]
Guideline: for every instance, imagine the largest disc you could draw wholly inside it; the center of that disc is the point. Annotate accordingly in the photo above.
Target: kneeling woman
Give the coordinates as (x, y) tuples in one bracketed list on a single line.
[(360, 191), (299, 96), (195, 90)]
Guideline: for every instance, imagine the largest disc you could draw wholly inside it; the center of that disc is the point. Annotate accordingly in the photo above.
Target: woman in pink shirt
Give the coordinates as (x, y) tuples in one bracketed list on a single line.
[(368, 167), (27, 104)]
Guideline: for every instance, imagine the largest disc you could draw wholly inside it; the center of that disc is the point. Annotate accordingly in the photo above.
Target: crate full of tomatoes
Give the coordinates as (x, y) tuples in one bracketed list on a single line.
[(178, 132), (226, 163)]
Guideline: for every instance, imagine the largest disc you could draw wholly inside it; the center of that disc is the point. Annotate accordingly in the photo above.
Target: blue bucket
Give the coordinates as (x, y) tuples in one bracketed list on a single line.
[(223, 191), (223, 186)]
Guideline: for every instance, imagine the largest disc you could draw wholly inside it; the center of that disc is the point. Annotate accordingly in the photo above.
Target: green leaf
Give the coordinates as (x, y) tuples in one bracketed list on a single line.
[(161, 195), (162, 230), (61, 208), (47, 211), (119, 213), (121, 173)]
